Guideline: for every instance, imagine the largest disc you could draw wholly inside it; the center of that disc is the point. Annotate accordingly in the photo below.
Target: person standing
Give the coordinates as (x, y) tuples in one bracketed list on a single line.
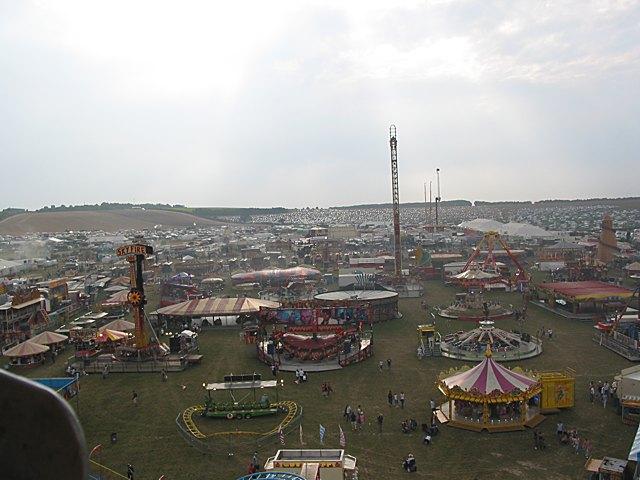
[(164, 375), (389, 363), (395, 399), (380, 365), (134, 398), (432, 405), (380, 420), (390, 398), (402, 398), (347, 413), (592, 393), (130, 472), (353, 418)]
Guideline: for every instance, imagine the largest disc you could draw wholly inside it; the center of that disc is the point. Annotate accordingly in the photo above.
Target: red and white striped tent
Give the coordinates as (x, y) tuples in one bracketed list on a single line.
[(216, 307), (490, 377)]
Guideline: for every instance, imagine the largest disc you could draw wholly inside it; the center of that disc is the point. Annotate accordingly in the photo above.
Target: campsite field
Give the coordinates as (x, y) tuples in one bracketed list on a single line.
[(149, 439)]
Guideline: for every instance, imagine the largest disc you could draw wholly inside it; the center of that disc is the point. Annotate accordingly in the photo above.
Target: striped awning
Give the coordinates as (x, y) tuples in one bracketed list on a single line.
[(488, 377), (212, 307)]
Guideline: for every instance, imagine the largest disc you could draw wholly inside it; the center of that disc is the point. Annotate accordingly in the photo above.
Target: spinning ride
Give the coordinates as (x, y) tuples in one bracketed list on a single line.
[(505, 345), (484, 274), (472, 306), (313, 339), (489, 397)]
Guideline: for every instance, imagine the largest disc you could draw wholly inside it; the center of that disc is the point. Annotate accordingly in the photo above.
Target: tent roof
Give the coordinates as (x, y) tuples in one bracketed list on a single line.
[(216, 307), (118, 298), (48, 338), (586, 290), (489, 376), (26, 349), (120, 325)]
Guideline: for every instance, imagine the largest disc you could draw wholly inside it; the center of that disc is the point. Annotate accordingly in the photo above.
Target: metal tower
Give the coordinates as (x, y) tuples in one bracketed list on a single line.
[(393, 143)]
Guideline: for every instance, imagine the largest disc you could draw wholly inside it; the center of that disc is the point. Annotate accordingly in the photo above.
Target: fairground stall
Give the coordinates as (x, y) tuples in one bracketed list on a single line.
[(582, 300), (313, 339), (489, 397), (312, 464), (26, 354)]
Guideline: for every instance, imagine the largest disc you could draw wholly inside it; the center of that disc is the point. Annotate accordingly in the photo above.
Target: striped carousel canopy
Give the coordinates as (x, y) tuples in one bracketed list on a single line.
[(488, 377), (212, 307)]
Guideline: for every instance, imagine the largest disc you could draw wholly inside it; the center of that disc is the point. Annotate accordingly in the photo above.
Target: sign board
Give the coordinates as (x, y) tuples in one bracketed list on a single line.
[(557, 391), (135, 249)]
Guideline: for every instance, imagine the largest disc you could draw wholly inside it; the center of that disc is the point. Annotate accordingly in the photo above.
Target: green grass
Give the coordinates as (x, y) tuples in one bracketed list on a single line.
[(148, 437)]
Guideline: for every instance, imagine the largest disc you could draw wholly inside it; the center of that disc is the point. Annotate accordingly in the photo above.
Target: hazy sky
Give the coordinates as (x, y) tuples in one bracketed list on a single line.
[(273, 103)]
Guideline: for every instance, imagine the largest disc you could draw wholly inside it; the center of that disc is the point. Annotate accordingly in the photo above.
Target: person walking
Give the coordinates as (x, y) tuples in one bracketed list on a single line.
[(605, 397), (134, 398), (380, 365), (592, 393), (390, 398), (389, 363), (395, 399), (105, 372), (130, 472), (432, 405), (164, 375), (402, 399), (380, 420)]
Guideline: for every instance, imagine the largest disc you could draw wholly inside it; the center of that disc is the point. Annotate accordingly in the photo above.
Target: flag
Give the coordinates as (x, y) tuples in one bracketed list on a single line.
[(301, 440), (343, 439), (322, 432), (281, 435)]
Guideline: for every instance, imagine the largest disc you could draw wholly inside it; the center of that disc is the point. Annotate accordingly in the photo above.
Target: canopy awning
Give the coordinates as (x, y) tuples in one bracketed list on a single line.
[(211, 307), (111, 335)]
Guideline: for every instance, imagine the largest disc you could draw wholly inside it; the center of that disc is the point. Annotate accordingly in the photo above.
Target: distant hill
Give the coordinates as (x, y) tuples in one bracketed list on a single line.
[(108, 220)]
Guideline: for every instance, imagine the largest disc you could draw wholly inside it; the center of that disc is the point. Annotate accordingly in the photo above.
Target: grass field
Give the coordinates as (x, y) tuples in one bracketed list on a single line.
[(148, 437)]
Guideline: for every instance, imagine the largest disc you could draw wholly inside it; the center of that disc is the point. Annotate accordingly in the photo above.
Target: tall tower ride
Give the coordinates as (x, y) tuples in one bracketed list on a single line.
[(393, 143)]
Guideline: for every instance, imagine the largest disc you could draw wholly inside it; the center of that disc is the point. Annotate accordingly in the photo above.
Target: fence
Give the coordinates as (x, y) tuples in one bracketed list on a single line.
[(228, 445), (97, 471)]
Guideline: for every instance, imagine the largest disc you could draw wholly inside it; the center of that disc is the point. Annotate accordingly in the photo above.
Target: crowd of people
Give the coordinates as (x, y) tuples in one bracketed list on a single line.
[(602, 392)]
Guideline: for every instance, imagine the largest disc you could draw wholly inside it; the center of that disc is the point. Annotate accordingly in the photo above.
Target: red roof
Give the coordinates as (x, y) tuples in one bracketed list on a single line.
[(585, 290)]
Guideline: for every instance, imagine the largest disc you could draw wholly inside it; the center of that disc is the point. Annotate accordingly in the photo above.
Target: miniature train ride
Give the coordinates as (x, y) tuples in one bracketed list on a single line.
[(239, 410), (240, 407)]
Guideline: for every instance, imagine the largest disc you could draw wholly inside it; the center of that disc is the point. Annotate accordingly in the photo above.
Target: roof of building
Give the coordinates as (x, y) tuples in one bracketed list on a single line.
[(588, 290)]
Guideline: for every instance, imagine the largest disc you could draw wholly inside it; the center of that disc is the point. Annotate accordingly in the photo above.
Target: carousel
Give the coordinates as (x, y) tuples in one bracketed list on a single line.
[(489, 397), (472, 306), (505, 346)]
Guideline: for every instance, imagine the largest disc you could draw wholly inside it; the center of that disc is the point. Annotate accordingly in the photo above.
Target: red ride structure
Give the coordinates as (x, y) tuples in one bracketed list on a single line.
[(489, 265)]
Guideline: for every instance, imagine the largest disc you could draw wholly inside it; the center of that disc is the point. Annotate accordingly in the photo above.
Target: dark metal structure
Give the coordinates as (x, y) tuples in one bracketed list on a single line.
[(393, 143)]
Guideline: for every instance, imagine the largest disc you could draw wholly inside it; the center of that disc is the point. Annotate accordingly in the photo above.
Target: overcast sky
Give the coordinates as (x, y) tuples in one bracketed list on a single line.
[(273, 103)]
